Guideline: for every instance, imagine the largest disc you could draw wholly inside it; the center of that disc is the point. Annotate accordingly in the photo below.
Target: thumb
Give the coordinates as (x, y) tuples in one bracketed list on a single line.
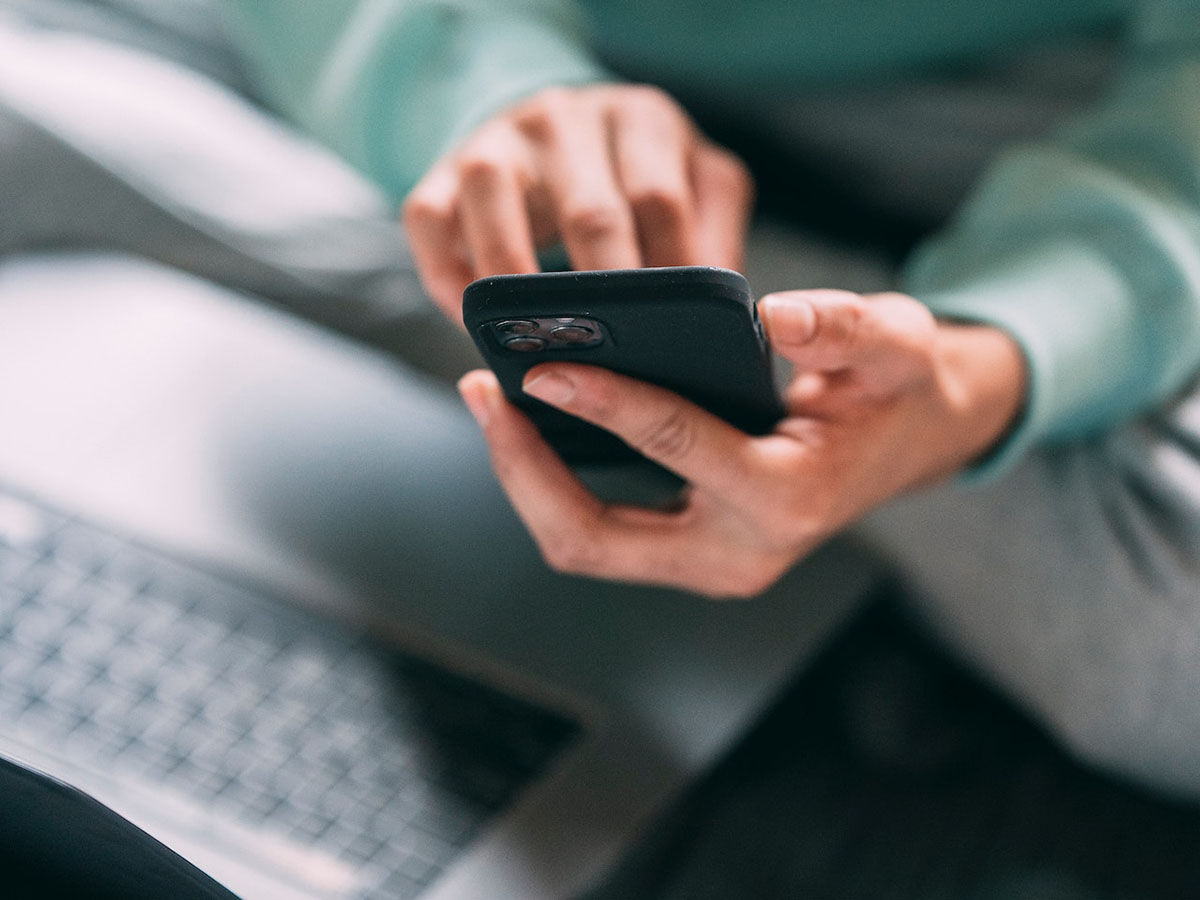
[(829, 331)]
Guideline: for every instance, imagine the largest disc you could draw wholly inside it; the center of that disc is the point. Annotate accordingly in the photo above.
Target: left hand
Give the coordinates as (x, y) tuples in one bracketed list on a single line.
[(618, 172), (885, 398)]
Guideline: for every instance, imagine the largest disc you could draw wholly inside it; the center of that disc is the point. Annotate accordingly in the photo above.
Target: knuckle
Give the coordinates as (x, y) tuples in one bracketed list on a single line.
[(604, 402), (923, 323), (554, 100), (913, 313), (650, 109), (652, 96), (910, 330), (660, 206), (847, 319), (854, 309), (420, 211), (669, 438), (731, 173), (924, 354), (538, 117), (482, 168), (592, 222)]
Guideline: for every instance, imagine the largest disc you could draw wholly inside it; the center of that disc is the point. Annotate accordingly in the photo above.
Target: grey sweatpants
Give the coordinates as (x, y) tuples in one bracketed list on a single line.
[(1074, 583)]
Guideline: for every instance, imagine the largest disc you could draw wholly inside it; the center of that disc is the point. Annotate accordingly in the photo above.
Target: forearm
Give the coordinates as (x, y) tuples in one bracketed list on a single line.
[(1086, 249)]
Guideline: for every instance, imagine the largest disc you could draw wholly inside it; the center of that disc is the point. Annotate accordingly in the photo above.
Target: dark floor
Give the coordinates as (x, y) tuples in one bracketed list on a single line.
[(886, 772)]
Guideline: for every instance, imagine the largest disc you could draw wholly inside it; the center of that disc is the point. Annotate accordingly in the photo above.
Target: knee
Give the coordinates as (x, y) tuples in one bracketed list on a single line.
[(1074, 583), (1129, 705)]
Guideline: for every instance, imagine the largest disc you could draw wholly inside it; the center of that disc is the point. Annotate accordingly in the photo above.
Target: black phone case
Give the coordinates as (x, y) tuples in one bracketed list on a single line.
[(693, 330)]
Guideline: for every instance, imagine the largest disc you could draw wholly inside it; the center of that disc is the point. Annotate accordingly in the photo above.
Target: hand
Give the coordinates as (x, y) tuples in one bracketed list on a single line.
[(618, 173), (885, 398)]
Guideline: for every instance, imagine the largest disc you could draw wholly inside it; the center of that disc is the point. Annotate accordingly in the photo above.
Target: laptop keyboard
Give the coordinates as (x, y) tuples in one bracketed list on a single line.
[(136, 666)]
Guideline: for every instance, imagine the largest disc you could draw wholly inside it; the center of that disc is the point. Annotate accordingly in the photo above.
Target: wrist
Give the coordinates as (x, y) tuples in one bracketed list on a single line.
[(982, 379)]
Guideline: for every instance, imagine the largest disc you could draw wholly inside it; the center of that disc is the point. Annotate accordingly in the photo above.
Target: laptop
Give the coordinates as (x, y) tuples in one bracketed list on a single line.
[(205, 630)]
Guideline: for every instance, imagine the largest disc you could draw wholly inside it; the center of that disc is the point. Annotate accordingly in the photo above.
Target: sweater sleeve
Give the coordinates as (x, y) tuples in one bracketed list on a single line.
[(392, 84), (1086, 248)]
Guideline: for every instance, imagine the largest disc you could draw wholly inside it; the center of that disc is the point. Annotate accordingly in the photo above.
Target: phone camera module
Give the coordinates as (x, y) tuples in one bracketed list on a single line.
[(516, 326), (525, 344), (572, 334)]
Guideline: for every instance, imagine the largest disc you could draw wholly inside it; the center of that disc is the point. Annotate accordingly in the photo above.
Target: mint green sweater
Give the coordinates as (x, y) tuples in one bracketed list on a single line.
[(1086, 248)]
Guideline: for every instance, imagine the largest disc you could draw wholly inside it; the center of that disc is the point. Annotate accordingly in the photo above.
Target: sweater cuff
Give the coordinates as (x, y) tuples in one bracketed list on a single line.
[(1073, 316), (497, 62)]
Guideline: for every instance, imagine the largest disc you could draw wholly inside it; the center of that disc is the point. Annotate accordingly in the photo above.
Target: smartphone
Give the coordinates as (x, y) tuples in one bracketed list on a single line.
[(693, 330)]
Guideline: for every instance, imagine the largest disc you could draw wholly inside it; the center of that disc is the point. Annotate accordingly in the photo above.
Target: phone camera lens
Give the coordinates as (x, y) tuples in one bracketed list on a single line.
[(525, 344), (573, 334), (517, 326)]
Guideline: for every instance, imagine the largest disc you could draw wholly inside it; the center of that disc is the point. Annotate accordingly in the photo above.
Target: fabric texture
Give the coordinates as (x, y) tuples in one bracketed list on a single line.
[(1084, 247), (1072, 582), (392, 84), (108, 146), (1087, 249)]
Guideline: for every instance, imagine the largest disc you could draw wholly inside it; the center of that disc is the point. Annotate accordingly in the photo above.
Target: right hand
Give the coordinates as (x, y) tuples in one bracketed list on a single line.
[(618, 173), (884, 399)]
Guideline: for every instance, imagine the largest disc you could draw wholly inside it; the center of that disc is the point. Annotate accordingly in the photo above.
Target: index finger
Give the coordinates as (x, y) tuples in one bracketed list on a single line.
[(579, 534), (574, 530), (594, 220), (664, 427), (651, 144), (434, 232), (724, 193)]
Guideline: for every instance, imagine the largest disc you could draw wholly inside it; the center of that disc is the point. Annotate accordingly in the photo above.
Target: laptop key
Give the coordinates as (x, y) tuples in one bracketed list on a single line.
[(141, 670)]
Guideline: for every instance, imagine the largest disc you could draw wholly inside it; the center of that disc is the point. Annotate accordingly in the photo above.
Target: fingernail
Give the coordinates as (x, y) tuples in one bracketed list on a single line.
[(475, 397), (551, 387), (790, 319)]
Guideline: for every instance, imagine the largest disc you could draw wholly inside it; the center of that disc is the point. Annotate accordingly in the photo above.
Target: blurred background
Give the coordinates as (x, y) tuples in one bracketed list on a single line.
[(155, 217)]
